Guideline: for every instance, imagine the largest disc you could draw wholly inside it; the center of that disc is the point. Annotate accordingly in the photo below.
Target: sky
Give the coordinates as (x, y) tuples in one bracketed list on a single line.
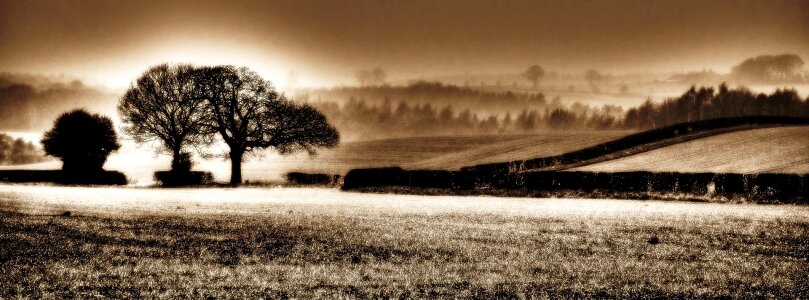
[(326, 42)]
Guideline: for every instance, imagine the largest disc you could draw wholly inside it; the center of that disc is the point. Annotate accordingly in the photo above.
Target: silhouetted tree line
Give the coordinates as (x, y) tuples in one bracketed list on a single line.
[(769, 68), (436, 94), (385, 120), (18, 151), (708, 103)]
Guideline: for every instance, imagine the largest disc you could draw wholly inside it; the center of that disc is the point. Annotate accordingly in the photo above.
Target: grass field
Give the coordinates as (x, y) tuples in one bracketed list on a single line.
[(766, 150), (546, 144), (287, 242)]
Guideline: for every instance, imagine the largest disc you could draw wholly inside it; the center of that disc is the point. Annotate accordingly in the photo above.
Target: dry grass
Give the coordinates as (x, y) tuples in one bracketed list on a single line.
[(303, 243), (767, 150)]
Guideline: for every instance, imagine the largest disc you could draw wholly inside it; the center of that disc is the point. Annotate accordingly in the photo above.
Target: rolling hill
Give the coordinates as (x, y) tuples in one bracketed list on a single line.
[(444, 153), (764, 150), (524, 147)]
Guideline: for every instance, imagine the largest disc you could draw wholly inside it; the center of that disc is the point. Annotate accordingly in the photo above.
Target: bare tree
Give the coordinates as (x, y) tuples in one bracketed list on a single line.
[(534, 74), (165, 105), (250, 115), (378, 76)]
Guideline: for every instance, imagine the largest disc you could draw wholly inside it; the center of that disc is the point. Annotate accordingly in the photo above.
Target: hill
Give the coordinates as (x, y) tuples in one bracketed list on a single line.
[(520, 148), (443, 153), (636, 143), (765, 150)]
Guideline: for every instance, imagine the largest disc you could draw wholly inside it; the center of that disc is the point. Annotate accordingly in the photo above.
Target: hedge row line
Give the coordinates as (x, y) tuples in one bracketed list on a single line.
[(792, 188), (61, 177), (183, 178), (782, 187), (302, 178), (500, 170)]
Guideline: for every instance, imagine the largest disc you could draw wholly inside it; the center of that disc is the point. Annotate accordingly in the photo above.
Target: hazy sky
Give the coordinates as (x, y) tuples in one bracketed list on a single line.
[(111, 42)]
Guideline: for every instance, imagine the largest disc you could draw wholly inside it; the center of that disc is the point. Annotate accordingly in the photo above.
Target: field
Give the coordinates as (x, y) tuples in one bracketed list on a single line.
[(288, 242), (139, 163), (767, 150), (546, 144)]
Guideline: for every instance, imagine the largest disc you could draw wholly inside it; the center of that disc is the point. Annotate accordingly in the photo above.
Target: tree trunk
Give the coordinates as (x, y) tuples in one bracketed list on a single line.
[(236, 167), (175, 159)]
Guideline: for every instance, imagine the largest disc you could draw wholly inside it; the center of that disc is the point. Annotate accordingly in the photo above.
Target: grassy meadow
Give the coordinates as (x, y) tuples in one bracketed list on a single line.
[(311, 242)]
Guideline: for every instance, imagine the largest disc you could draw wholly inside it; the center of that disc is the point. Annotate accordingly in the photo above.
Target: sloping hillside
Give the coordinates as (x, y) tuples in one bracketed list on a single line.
[(526, 147), (766, 150)]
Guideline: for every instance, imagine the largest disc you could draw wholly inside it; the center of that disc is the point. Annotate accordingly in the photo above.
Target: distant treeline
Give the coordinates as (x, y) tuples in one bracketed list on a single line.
[(364, 115), (436, 94), (708, 103), (358, 119), (32, 106), (426, 108), (18, 151)]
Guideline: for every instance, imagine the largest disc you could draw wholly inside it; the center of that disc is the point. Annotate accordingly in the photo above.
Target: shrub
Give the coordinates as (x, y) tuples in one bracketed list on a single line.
[(311, 179), (179, 178), (375, 177), (82, 140), (430, 179)]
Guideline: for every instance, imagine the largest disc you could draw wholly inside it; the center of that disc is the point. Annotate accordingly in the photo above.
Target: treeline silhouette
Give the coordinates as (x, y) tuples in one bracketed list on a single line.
[(436, 94), (359, 119), (708, 103), (33, 105), (370, 113), (18, 151)]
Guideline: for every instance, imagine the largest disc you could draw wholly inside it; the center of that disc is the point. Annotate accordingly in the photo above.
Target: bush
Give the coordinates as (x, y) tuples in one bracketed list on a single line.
[(178, 178), (311, 178), (430, 179), (375, 177), (61, 177), (82, 140)]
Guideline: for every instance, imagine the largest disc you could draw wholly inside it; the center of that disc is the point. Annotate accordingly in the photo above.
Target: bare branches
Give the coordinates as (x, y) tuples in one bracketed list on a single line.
[(182, 105), (165, 105)]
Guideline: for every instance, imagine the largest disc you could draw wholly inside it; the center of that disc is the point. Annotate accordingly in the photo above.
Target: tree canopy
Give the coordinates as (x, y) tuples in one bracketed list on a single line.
[(165, 105), (534, 73), (770, 68), (249, 114)]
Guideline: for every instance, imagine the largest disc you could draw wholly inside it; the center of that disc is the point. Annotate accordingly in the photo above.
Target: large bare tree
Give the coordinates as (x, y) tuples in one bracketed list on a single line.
[(250, 115), (166, 105)]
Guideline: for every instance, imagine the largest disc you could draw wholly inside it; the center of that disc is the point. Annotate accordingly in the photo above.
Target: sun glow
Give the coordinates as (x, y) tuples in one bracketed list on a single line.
[(271, 66)]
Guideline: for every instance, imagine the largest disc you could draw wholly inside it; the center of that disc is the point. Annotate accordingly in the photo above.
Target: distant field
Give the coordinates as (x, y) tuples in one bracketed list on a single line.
[(304, 243), (772, 150)]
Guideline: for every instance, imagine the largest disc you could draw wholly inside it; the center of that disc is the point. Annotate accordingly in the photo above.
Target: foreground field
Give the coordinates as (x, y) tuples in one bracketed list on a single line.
[(306, 243), (767, 150)]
